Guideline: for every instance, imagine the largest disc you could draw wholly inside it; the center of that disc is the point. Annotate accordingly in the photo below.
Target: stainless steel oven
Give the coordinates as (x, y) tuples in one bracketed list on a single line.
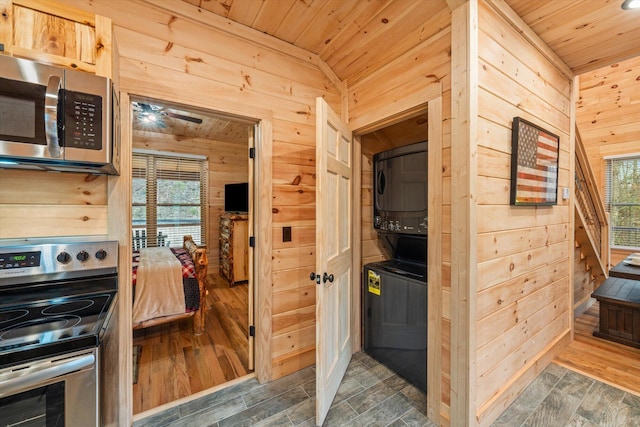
[(55, 303)]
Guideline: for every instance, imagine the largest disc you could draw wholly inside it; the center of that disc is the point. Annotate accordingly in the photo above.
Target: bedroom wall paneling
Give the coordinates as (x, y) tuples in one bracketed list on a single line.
[(521, 259)]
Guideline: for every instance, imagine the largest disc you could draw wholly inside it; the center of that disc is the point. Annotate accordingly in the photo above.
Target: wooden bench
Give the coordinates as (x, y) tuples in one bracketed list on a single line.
[(619, 300)]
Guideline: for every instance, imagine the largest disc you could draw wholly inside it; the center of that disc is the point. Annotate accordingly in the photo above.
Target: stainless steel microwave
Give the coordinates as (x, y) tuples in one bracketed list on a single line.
[(58, 119), (400, 190)]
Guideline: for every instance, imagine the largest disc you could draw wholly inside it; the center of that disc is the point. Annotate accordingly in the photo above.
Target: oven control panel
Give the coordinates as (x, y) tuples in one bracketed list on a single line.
[(19, 260), (50, 258)]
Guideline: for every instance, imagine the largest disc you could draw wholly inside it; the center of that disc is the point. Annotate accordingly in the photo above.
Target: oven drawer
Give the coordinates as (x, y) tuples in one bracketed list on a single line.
[(58, 388)]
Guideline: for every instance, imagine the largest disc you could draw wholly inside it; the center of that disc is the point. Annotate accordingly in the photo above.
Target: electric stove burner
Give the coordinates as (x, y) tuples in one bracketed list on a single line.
[(67, 307), (12, 315), (55, 321), (39, 327)]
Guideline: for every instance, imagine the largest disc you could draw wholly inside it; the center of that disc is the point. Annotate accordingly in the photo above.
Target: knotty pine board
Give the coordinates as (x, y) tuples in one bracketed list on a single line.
[(497, 297), (523, 288)]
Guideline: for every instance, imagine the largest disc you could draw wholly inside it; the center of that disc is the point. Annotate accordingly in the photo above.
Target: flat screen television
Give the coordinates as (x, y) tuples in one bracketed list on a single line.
[(236, 197)]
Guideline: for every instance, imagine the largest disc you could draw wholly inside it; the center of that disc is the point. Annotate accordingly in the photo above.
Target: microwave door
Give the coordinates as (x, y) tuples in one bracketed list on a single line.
[(29, 105)]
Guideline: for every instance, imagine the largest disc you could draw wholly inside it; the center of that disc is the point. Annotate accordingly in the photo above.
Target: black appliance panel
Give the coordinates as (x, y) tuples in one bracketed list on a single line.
[(395, 318), (400, 190)]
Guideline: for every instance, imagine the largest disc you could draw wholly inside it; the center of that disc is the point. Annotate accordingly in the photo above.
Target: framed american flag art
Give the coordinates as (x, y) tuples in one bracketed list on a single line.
[(534, 164)]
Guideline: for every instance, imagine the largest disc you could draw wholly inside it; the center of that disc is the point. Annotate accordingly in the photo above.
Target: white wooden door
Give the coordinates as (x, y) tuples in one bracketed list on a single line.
[(334, 206)]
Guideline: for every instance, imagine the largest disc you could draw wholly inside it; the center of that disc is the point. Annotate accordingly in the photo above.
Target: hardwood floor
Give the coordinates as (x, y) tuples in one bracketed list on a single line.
[(174, 363), (606, 361)]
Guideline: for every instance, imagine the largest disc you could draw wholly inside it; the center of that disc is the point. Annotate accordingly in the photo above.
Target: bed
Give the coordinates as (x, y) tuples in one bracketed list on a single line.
[(169, 284)]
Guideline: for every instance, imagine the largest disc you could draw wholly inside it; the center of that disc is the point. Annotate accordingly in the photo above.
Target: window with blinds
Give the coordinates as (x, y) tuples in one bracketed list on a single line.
[(169, 200), (622, 194)]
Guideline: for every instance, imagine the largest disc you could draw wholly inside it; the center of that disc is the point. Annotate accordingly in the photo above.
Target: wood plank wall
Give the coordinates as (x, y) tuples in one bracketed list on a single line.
[(228, 162), (602, 105), (42, 204), (371, 99), (523, 281), (171, 55)]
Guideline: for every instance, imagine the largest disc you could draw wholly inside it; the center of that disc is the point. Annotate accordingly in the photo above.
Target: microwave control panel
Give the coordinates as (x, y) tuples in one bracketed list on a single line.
[(83, 120)]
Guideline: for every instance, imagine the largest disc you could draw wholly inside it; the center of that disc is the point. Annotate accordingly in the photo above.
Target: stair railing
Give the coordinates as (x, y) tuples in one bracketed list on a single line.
[(590, 208)]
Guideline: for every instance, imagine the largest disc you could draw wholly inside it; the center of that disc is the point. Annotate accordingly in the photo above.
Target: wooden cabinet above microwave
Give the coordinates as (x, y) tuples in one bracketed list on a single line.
[(58, 35)]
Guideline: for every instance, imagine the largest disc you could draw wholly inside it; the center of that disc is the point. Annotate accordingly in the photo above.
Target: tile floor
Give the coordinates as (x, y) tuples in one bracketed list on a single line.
[(561, 397), (372, 395)]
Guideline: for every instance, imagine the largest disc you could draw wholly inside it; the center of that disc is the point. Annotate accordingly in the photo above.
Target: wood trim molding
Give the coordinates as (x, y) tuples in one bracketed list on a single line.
[(575, 88), (119, 411), (60, 10), (396, 111), (356, 245), (106, 53), (334, 79), (454, 4), (263, 253), (434, 259), (464, 168), (234, 29)]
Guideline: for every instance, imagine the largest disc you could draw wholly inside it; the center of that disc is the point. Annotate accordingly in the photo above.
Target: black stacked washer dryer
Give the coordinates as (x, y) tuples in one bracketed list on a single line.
[(395, 291)]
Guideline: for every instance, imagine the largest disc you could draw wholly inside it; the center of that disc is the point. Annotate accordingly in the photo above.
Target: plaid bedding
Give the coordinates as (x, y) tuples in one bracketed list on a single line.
[(189, 280)]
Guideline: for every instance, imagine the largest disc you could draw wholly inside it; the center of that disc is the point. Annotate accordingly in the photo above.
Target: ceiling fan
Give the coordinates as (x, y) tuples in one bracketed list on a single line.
[(152, 114)]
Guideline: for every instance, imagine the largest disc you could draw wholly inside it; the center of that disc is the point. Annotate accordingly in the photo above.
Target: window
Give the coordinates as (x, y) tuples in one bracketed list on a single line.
[(622, 192), (169, 199)]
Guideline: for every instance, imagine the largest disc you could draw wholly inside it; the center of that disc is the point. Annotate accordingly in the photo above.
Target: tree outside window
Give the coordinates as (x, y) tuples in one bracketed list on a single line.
[(623, 201)]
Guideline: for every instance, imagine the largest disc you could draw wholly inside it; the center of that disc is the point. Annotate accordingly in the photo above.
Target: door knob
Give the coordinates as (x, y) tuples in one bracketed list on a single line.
[(315, 277), (326, 277)]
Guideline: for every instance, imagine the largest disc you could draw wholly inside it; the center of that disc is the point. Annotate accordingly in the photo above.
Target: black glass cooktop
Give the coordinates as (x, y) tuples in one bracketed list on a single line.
[(47, 325)]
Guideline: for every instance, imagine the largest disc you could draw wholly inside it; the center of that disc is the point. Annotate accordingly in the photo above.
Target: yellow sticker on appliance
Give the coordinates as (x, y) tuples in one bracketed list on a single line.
[(374, 282)]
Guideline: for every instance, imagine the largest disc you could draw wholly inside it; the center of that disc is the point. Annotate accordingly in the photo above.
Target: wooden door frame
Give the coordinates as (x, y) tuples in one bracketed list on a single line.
[(120, 201), (428, 100)]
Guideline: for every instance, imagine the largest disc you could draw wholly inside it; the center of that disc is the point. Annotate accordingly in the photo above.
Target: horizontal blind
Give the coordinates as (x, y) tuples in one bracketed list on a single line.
[(176, 198), (622, 199)]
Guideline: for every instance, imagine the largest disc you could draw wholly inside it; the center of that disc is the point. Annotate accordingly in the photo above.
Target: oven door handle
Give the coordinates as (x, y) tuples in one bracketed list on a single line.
[(34, 376)]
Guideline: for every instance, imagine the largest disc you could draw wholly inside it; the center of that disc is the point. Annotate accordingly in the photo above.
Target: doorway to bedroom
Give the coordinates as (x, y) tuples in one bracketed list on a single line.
[(191, 176)]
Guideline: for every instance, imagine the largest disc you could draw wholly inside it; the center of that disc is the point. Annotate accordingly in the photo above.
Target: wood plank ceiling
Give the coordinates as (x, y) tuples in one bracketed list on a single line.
[(355, 37), (185, 122)]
